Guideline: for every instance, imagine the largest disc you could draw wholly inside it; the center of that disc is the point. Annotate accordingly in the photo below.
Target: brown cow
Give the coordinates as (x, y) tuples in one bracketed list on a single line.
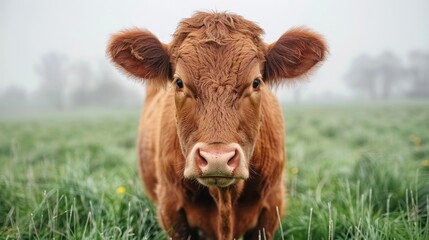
[(211, 137)]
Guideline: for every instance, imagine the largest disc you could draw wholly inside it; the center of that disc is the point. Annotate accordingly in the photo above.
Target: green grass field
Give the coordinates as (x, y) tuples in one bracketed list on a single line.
[(353, 172)]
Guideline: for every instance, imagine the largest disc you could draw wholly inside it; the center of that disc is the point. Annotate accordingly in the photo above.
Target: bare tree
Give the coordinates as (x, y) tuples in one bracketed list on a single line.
[(419, 73), (362, 75), (101, 89), (108, 91), (14, 97), (84, 83), (53, 73), (390, 72)]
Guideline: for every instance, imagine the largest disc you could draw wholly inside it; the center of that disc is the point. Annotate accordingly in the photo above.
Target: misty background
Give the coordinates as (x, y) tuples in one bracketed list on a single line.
[(52, 52)]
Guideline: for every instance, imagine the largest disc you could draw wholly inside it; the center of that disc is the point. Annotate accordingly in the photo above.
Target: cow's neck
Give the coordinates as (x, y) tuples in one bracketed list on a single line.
[(225, 199)]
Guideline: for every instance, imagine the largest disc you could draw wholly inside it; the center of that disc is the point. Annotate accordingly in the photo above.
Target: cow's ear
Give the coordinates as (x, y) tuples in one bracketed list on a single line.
[(140, 53), (295, 53)]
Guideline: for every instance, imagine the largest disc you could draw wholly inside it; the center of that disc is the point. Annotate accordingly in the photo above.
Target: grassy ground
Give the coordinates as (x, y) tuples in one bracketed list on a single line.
[(354, 172)]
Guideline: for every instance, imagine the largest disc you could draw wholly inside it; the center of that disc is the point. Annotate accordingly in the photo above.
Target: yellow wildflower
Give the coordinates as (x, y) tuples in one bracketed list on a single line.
[(416, 141), (357, 153), (121, 190), (294, 170), (425, 163)]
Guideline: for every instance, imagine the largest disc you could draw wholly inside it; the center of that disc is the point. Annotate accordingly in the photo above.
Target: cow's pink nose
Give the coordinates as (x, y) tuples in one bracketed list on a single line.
[(217, 160)]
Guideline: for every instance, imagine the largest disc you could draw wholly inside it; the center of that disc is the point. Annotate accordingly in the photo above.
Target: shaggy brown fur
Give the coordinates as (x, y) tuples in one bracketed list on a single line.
[(204, 92)]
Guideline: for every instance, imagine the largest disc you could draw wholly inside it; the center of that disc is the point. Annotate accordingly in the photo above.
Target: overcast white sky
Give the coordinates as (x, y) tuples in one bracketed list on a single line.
[(80, 30)]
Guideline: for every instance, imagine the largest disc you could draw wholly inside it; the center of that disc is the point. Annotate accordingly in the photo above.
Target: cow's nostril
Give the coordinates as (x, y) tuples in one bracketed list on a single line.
[(200, 160), (234, 161)]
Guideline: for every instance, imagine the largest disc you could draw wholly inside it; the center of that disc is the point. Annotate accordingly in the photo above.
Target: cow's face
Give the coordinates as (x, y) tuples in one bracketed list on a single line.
[(218, 100), (218, 79)]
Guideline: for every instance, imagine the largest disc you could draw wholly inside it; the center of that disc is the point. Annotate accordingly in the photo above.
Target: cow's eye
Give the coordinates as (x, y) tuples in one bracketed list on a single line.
[(256, 83), (179, 83)]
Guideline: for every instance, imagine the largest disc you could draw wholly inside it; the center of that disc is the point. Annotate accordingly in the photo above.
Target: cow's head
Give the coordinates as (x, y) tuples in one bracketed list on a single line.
[(218, 67)]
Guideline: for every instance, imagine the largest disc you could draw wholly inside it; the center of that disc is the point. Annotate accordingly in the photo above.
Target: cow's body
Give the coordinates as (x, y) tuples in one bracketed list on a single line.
[(159, 154), (211, 136)]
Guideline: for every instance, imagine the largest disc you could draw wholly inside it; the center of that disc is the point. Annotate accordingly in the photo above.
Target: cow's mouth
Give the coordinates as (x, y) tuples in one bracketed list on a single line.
[(220, 181)]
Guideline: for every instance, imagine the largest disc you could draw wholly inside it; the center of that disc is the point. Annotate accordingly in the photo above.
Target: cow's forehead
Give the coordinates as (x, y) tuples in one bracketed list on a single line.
[(216, 49), (218, 65)]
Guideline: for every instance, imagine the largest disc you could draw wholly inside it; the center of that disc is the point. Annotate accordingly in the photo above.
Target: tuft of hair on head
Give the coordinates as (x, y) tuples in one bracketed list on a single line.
[(217, 27)]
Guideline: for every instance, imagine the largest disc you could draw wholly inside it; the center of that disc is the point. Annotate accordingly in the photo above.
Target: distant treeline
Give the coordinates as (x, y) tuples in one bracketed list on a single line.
[(64, 84), (387, 76)]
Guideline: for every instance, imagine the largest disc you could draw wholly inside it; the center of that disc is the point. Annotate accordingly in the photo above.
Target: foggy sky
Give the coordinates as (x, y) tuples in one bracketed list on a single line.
[(80, 30)]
